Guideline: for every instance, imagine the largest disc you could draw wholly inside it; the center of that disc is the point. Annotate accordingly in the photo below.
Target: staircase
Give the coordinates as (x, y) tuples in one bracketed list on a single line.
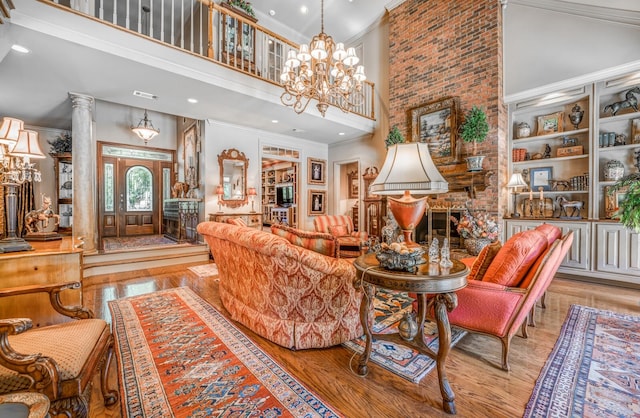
[(143, 258)]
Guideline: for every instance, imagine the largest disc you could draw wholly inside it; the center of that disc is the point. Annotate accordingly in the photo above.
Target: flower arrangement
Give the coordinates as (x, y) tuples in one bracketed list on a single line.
[(62, 143), (480, 226), (243, 5)]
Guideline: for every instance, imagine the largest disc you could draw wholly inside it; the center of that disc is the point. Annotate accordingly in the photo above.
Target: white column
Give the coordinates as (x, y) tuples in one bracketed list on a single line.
[(84, 177)]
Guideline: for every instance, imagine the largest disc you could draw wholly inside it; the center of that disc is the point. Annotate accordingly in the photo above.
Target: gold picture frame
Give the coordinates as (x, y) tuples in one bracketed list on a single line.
[(317, 203), (612, 200), (551, 123), (316, 171), (190, 155), (435, 123)]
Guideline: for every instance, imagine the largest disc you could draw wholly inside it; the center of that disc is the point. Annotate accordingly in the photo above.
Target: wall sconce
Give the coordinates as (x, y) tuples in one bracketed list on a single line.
[(145, 129), (252, 195), (219, 192)]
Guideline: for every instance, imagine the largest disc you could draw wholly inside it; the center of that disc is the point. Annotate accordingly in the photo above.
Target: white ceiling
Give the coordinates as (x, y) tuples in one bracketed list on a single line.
[(59, 64)]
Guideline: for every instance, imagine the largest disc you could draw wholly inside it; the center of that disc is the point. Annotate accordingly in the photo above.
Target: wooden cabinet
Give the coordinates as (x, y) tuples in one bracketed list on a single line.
[(273, 178), (617, 252), (63, 169), (253, 220), (375, 206), (180, 218)]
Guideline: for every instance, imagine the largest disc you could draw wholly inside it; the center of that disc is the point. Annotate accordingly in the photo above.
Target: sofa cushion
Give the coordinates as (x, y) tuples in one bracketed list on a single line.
[(316, 241), (339, 230), (236, 221), (515, 258), (484, 260)]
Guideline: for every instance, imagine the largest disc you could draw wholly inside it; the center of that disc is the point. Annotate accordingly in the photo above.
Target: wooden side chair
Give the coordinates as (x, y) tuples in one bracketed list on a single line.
[(57, 360)]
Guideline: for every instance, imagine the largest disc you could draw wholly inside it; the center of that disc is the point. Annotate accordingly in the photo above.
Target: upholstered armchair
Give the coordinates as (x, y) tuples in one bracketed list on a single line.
[(499, 303), (57, 360), (348, 241)]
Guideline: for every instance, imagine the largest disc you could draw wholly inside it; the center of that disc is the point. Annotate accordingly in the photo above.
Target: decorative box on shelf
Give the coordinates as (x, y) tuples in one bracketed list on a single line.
[(568, 151)]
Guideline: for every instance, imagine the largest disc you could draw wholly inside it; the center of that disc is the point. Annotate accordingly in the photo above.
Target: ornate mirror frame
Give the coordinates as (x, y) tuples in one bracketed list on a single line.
[(233, 155)]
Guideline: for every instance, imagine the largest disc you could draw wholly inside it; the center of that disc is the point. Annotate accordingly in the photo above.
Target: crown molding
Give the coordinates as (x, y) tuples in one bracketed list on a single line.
[(606, 13), (393, 4)]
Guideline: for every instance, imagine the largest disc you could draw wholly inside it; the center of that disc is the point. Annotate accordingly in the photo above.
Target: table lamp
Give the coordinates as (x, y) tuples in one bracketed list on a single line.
[(408, 168), (252, 195), (219, 192), (516, 181)]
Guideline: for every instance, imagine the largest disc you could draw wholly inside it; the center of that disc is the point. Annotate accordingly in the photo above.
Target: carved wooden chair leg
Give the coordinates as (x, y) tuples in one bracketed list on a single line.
[(523, 328), (110, 397), (532, 316), (543, 298), (506, 342)]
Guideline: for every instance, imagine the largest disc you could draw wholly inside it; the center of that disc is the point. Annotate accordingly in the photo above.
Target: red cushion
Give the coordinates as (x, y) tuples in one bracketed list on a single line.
[(515, 258), (484, 260)]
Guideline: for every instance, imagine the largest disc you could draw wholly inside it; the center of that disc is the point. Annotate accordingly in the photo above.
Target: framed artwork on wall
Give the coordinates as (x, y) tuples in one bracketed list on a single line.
[(190, 155), (317, 203), (316, 171), (435, 124)]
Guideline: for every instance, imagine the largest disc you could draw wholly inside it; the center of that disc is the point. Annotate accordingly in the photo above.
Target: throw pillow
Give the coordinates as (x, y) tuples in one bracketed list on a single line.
[(316, 241), (339, 230), (483, 261), (236, 221)]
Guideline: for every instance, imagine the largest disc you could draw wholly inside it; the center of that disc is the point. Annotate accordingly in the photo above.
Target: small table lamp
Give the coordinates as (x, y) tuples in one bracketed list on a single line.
[(252, 195), (516, 181), (408, 168), (219, 192)]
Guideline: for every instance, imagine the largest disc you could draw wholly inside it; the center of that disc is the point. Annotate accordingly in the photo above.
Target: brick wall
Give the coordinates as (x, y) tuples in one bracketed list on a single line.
[(452, 48)]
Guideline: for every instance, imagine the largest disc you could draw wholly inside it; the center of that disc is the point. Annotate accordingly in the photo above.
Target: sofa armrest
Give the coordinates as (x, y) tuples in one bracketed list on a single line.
[(54, 290), (363, 235), (480, 285)]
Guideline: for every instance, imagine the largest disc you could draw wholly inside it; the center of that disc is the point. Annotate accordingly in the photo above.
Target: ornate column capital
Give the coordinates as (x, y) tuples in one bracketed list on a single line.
[(81, 100)]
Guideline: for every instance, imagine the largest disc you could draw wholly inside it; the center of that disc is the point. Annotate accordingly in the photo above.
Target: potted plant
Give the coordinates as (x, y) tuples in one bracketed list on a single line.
[(394, 137), (474, 130), (245, 6), (629, 208)]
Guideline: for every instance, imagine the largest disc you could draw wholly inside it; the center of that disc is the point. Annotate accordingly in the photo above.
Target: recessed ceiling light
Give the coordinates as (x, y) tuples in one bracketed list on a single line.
[(192, 100), (272, 12), (341, 133), (304, 10), (274, 121), (20, 48)]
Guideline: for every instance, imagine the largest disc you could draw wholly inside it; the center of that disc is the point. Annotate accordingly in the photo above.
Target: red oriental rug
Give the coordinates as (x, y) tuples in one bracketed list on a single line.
[(593, 370), (178, 356)]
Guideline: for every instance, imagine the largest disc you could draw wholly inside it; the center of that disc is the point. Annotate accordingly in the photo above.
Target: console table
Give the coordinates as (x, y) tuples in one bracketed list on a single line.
[(180, 218), (430, 279), (252, 219)]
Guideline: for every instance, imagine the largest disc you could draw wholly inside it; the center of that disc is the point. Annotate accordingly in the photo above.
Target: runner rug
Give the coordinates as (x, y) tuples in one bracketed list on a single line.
[(178, 356), (404, 361), (128, 243), (593, 368), (205, 270)]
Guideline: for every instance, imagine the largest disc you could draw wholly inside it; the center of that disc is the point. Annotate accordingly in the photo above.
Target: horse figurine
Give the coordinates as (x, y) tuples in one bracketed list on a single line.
[(564, 204), (557, 183), (630, 101), (37, 220)]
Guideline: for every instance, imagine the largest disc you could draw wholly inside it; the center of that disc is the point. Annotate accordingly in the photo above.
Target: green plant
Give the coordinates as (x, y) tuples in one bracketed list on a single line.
[(394, 137), (243, 5), (475, 127), (62, 143), (629, 209)]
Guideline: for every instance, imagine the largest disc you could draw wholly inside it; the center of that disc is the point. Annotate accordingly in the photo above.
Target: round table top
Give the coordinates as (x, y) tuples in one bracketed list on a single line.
[(430, 277), (24, 404)]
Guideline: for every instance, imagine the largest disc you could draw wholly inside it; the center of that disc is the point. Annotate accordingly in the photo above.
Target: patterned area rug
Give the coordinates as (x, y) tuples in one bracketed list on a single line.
[(404, 361), (205, 270), (593, 369), (128, 243), (178, 356)]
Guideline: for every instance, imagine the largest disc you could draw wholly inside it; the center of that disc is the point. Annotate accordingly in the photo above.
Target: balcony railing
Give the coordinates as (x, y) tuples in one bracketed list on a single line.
[(216, 32)]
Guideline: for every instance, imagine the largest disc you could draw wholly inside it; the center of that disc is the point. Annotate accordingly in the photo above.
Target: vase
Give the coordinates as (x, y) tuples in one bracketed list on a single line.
[(475, 245), (475, 163)]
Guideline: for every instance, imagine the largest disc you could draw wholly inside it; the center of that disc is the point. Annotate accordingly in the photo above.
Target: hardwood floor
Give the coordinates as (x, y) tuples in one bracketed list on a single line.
[(482, 389)]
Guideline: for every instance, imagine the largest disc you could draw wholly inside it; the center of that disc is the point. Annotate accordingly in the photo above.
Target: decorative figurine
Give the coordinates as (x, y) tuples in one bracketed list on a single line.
[(564, 204), (630, 101), (613, 170), (433, 251), (547, 151), (576, 115), (36, 221), (621, 139), (445, 252), (407, 328)]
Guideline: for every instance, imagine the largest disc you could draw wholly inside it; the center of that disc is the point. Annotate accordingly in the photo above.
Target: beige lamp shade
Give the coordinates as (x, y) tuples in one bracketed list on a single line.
[(409, 167), (27, 145), (516, 180), (9, 130), (252, 191)]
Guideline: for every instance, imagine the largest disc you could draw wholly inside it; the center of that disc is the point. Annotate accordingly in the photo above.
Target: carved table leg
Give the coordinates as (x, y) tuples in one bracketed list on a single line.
[(444, 302), (366, 321)]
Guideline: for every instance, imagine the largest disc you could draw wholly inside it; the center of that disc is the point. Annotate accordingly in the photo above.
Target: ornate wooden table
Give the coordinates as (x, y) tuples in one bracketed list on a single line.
[(429, 279)]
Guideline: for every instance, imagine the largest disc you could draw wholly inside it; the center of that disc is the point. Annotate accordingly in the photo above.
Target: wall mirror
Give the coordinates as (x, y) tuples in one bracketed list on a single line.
[(233, 175)]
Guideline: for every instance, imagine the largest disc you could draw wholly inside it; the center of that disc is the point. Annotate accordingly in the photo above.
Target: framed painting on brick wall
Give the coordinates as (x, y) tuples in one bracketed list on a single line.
[(435, 124)]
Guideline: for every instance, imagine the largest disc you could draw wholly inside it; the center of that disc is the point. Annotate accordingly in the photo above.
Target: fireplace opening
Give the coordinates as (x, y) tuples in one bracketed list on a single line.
[(436, 227)]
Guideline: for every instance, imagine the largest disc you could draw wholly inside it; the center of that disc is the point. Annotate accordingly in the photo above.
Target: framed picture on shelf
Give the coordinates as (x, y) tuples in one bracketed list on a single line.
[(190, 155), (435, 124), (540, 177), (316, 171), (551, 123), (317, 203), (635, 132)]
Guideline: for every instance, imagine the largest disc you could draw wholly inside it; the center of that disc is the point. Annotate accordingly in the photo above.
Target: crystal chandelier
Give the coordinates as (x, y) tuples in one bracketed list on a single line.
[(324, 71), (145, 129)]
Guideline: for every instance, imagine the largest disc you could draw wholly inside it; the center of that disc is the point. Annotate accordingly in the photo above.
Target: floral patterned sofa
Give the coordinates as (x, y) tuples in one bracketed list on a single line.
[(288, 294)]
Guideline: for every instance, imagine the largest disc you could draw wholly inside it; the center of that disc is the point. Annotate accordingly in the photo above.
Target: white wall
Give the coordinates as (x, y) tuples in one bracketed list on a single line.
[(543, 47), (219, 136)]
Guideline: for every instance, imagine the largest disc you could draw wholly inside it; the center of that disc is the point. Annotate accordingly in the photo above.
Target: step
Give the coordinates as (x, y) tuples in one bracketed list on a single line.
[(121, 261)]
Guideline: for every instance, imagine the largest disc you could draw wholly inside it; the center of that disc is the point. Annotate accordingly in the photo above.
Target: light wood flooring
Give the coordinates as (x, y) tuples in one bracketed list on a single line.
[(482, 389)]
